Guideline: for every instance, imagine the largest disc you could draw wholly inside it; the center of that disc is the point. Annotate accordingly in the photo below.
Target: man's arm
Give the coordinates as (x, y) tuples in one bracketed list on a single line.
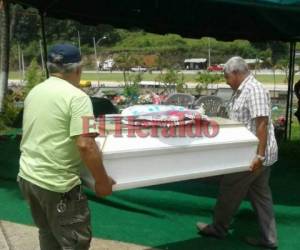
[(92, 158), (262, 135)]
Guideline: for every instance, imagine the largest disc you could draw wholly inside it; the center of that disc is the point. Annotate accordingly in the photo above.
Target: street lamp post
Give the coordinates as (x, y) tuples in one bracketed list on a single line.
[(95, 52), (79, 42), (95, 47), (209, 62)]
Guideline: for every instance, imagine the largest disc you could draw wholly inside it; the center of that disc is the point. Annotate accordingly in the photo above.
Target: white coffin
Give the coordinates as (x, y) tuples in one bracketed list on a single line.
[(137, 162)]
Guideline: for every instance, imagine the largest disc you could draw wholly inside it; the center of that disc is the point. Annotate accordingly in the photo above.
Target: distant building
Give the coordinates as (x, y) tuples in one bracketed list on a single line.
[(195, 63), (253, 63)]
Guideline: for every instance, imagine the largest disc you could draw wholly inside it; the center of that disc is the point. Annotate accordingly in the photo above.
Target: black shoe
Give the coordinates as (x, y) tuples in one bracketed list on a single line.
[(208, 230), (258, 243)]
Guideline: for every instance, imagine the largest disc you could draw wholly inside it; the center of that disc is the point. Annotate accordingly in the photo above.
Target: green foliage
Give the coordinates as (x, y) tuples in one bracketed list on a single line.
[(181, 86), (276, 50), (2, 124), (199, 88), (205, 78), (169, 78), (136, 78), (11, 109), (283, 64), (15, 97), (27, 25), (279, 51), (125, 61), (142, 40), (172, 78), (33, 76), (132, 90)]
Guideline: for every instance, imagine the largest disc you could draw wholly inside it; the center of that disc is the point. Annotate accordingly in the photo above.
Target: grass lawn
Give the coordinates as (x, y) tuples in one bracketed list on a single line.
[(118, 77)]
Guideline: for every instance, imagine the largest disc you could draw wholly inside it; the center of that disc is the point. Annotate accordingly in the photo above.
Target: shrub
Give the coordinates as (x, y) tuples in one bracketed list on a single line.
[(33, 76)]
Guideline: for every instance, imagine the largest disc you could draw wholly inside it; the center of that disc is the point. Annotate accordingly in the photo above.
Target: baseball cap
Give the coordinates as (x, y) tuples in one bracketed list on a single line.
[(64, 53)]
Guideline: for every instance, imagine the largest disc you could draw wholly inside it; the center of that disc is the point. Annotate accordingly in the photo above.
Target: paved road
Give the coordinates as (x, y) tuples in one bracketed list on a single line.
[(113, 84), (192, 72)]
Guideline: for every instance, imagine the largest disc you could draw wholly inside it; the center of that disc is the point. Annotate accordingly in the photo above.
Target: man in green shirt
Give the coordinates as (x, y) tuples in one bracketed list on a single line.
[(54, 146)]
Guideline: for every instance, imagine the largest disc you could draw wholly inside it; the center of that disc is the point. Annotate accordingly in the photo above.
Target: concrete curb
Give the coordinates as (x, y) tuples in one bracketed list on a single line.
[(3, 242), (15, 236)]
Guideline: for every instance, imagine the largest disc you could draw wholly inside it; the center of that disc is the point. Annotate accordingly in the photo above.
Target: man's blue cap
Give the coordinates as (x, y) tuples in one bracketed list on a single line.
[(64, 53)]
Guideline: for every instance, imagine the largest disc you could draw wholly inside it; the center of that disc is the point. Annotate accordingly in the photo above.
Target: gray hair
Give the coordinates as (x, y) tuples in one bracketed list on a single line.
[(62, 68), (236, 64)]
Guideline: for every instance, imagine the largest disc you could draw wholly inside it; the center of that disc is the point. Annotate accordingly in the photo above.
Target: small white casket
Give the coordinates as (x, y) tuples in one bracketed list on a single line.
[(143, 161)]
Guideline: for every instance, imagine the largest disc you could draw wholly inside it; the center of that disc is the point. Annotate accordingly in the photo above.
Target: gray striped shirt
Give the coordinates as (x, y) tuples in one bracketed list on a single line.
[(249, 101)]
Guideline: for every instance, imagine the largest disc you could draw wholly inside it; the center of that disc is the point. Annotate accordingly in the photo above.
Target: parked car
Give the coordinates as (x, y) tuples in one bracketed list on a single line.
[(138, 69), (215, 67)]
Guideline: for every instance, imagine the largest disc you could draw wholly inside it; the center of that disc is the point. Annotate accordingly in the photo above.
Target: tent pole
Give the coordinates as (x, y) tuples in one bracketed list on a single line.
[(289, 106), (5, 47), (42, 15), (292, 91)]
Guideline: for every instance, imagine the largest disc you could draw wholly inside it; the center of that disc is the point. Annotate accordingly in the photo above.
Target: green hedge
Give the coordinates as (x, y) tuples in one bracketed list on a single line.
[(9, 155)]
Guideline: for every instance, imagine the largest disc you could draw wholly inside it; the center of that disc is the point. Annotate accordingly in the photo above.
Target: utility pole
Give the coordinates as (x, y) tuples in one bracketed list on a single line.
[(96, 58), (79, 43), (95, 52), (42, 57), (23, 65), (209, 62), (20, 63)]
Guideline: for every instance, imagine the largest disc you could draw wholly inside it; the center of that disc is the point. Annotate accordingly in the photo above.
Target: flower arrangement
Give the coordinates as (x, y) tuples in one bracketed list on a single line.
[(144, 99), (119, 100)]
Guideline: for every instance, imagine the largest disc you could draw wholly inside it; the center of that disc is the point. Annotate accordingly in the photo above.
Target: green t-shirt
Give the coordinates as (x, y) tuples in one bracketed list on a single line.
[(54, 112)]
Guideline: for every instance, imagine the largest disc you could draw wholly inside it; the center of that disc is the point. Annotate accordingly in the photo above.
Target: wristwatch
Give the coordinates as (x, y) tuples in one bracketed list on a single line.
[(261, 158)]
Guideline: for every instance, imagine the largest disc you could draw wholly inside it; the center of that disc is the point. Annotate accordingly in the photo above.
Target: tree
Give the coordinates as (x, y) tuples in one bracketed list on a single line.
[(279, 50), (26, 20), (205, 78), (125, 62), (4, 49), (33, 76), (180, 84), (132, 90), (172, 79), (283, 64)]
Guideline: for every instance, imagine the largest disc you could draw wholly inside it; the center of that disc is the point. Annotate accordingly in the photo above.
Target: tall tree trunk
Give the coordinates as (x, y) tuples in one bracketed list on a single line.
[(4, 47)]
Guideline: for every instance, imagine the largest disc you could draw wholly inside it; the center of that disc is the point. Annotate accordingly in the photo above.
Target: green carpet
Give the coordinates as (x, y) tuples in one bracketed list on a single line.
[(164, 216)]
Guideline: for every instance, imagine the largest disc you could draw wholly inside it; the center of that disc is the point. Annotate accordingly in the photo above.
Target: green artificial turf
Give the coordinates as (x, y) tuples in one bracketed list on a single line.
[(164, 216)]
